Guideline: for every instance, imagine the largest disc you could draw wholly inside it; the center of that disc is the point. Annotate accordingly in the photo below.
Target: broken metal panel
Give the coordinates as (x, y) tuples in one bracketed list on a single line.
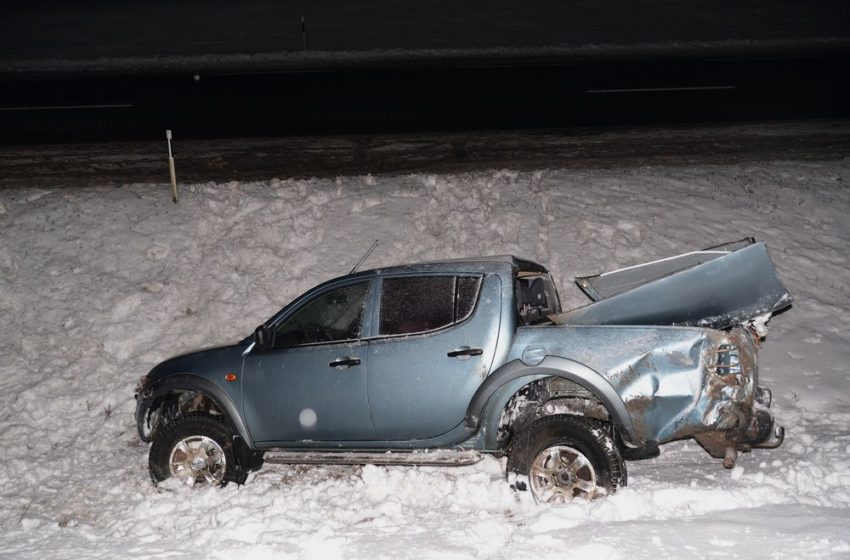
[(674, 382), (605, 285), (716, 288), (687, 389)]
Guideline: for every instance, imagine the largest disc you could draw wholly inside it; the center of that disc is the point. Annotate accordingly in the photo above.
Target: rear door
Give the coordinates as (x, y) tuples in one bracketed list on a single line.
[(435, 340)]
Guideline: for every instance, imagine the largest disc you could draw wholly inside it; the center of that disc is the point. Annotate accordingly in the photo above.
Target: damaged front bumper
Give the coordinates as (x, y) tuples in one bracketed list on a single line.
[(761, 432), (765, 434), (682, 384), (737, 414), (694, 383)]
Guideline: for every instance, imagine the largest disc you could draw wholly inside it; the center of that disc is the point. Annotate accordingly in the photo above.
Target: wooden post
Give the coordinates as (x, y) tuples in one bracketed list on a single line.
[(171, 170)]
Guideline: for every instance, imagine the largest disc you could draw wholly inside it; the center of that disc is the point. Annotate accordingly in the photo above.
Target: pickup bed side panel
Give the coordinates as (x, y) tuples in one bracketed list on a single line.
[(658, 383)]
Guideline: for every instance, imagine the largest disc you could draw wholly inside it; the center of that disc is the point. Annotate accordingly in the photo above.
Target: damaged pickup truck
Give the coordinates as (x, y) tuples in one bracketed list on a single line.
[(439, 363)]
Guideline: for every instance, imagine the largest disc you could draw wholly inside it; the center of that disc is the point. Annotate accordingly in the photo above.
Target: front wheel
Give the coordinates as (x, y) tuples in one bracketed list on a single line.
[(194, 449), (565, 457)]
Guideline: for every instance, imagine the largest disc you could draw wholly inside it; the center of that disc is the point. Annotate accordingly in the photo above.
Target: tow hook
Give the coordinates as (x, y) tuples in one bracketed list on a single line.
[(774, 441), (730, 457)]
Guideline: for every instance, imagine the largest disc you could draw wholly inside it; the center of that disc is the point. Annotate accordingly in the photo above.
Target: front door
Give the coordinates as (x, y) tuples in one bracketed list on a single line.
[(311, 383)]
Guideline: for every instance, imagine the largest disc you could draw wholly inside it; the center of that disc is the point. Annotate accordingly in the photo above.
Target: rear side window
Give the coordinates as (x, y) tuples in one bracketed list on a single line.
[(415, 304), (466, 296)]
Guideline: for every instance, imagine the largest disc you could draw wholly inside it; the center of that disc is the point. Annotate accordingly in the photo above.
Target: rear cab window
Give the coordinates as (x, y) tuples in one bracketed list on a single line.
[(536, 297)]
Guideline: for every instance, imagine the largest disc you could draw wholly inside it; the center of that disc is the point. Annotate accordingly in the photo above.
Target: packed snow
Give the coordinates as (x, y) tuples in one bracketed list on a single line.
[(98, 284)]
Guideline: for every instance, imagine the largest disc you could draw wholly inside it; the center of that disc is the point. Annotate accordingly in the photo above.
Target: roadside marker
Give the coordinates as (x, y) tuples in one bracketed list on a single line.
[(171, 168)]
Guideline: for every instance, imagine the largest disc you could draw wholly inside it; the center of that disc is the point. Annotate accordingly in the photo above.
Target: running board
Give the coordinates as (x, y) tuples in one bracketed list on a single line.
[(410, 458)]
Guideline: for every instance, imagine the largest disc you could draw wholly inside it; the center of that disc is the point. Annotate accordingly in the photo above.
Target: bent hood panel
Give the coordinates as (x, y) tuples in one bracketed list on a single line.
[(719, 289)]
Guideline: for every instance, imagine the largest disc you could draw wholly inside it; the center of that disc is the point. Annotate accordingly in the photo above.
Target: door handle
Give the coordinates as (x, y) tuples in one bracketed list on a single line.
[(345, 362), (464, 352)]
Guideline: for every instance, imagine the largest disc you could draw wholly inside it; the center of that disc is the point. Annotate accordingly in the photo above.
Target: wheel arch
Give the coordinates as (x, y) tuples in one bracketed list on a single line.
[(151, 398), (485, 409)]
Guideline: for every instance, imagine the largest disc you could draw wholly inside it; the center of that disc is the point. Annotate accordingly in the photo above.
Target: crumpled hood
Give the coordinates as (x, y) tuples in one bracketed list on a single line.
[(728, 285)]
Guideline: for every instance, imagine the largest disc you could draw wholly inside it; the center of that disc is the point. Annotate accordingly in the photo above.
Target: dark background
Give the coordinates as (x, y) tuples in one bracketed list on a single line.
[(94, 29), (109, 71)]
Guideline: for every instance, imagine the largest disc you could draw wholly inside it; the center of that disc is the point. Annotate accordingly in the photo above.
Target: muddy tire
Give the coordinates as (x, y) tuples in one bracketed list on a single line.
[(197, 449), (565, 457)]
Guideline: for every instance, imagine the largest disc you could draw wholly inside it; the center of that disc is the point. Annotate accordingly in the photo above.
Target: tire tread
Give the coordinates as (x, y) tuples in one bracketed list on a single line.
[(586, 432), (195, 423)]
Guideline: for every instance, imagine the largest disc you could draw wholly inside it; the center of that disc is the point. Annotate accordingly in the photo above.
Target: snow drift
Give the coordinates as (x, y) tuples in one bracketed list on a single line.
[(99, 284)]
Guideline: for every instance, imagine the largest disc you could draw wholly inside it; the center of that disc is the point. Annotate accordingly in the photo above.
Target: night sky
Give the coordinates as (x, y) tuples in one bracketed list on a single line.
[(49, 30), (103, 71)]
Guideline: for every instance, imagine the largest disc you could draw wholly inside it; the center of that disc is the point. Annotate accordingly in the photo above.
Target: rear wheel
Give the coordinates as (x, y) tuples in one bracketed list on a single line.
[(194, 449), (565, 457)]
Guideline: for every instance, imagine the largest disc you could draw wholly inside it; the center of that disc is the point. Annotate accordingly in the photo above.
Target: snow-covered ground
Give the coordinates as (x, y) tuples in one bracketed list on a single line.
[(98, 284)]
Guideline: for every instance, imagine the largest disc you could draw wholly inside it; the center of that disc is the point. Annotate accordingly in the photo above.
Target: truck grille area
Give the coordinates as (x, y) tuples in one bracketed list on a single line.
[(728, 361)]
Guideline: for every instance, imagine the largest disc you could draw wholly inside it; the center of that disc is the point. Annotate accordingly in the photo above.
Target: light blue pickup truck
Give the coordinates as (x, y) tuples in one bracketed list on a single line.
[(440, 363)]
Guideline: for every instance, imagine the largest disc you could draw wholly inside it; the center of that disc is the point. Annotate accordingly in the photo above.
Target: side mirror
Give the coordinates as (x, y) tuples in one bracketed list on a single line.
[(261, 337)]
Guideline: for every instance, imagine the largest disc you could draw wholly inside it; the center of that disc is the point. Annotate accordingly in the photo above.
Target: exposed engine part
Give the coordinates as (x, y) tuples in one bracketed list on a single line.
[(175, 404)]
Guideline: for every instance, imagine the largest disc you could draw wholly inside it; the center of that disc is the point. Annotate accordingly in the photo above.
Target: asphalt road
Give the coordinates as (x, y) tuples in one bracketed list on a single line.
[(394, 96)]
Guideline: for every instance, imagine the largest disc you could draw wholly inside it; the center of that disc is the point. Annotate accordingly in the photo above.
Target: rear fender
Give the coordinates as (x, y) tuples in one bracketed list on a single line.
[(486, 407)]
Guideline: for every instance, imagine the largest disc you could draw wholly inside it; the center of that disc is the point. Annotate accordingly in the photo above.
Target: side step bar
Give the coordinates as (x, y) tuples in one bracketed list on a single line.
[(438, 458)]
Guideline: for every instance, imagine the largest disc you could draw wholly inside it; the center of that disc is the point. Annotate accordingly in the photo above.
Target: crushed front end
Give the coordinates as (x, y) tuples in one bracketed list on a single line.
[(734, 408), (700, 382)]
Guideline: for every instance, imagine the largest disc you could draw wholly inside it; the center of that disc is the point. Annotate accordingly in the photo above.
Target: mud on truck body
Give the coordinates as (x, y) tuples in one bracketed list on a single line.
[(440, 363)]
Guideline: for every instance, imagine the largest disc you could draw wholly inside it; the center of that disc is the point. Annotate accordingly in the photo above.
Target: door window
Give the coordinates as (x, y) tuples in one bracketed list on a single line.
[(331, 317), (415, 304)]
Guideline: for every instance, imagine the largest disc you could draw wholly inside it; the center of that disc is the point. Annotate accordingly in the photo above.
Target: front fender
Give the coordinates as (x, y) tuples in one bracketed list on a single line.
[(485, 408), (150, 393)]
